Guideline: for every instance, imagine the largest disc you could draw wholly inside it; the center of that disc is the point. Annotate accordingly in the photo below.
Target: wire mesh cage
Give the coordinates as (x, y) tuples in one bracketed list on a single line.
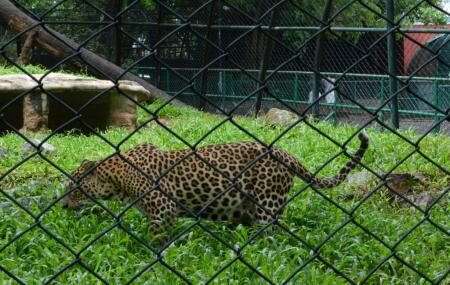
[(224, 142)]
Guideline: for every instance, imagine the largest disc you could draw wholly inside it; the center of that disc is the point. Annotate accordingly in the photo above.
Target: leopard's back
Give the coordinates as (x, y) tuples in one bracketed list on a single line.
[(227, 181)]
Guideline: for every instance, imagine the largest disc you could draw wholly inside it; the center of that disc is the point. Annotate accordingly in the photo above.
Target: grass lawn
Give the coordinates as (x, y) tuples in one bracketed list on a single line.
[(328, 231)]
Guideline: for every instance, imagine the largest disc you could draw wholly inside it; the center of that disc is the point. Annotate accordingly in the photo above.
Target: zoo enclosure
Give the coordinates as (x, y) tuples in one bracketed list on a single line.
[(183, 56)]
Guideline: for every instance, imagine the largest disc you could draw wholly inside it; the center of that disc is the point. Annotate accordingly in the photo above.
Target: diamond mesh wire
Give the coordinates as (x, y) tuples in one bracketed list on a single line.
[(234, 58)]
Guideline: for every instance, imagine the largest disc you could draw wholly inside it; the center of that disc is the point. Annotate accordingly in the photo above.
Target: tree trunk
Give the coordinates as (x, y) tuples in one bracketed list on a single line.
[(256, 42), (27, 49), (62, 47), (112, 37)]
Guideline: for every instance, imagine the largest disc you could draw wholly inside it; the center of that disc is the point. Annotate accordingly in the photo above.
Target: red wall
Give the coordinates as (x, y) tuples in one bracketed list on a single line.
[(410, 47)]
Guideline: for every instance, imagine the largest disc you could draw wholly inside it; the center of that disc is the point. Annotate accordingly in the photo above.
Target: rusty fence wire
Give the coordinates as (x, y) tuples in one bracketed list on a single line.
[(340, 67)]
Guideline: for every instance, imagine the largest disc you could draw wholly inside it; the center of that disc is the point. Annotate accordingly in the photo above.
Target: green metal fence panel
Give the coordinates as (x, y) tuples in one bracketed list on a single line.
[(295, 87)]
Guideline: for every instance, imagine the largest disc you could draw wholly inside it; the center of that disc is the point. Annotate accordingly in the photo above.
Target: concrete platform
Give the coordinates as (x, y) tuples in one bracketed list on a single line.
[(63, 102)]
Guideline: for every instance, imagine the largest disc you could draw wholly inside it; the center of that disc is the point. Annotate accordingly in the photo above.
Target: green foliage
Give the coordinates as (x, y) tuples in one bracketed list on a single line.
[(354, 15), (34, 69), (117, 257), (430, 16), (147, 4), (374, 13), (52, 4), (360, 14)]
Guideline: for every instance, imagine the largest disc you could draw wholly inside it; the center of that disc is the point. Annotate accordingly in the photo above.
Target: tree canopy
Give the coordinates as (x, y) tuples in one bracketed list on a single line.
[(364, 13)]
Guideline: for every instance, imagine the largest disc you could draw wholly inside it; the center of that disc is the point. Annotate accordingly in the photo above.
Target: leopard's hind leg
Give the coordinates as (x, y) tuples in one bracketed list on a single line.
[(271, 194), (161, 212)]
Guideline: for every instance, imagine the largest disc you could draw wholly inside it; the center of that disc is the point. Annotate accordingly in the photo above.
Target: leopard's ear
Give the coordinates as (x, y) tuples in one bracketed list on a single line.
[(87, 165)]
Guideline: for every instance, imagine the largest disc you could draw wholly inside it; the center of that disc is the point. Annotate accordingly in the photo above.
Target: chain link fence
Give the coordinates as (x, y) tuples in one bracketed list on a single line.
[(340, 67)]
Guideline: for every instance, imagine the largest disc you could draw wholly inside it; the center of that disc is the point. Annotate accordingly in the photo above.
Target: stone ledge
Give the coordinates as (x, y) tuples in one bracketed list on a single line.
[(40, 110), (58, 82)]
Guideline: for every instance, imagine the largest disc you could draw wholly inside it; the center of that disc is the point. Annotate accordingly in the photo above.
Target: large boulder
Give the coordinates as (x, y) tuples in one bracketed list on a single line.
[(280, 117)]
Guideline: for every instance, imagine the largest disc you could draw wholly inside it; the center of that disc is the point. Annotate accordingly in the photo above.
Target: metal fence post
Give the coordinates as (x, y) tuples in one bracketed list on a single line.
[(167, 80), (335, 107), (114, 40), (223, 92), (318, 57), (119, 44), (157, 51), (266, 61), (391, 62), (382, 97), (436, 102), (207, 51)]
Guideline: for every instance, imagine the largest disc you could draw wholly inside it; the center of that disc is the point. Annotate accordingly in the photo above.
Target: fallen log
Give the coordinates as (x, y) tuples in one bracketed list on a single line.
[(60, 47)]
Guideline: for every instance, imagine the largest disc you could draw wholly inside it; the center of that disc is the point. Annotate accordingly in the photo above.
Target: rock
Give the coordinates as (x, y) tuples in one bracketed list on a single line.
[(411, 187), (358, 184), (360, 179), (163, 122), (348, 196), (2, 153), (25, 202), (46, 147), (402, 183), (280, 117), (157, 123), (422, 200)]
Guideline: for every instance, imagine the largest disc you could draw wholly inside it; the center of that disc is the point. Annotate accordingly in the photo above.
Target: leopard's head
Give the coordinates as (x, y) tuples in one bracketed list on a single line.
[(86, 179)]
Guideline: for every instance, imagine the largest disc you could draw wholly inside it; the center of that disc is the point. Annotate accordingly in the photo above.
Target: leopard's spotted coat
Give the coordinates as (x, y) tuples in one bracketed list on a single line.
[(240, 182)]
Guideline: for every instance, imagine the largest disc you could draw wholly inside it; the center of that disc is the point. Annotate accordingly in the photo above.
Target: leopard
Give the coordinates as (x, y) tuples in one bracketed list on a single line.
[(240, 182)]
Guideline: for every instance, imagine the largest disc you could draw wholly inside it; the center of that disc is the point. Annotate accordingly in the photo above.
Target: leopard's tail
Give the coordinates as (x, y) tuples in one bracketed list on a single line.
[(343, 173)]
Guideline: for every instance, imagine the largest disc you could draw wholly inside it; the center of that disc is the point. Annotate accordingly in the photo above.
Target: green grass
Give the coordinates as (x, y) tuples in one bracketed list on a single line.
[(35, 256), (33, 69)]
